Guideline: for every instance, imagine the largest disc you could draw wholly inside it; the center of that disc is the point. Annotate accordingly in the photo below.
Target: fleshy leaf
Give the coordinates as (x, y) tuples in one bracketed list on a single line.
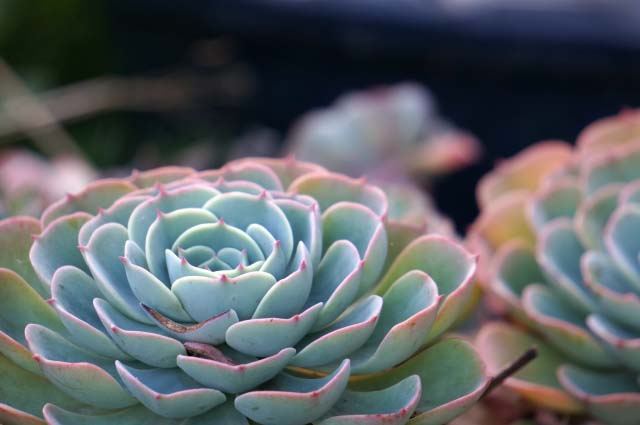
[(439, 366), (408, 312), (140, 341), (558, 200), (620, 165), (15, 242), (204, 297), (145, 179), (119, 212), (164, 231), (623, 342), (341, 338), (169, 392), (294, 288), (592, 216), (73, 293), (616, 297), (287, 169), (564, 327), (329, 189), (57, 246), (612, 397), (336, 282), (504, 220), (102, 254), (217, 236), (235, 378), (265, 337), (150, 291), (449, 265), (293, 400), (166, 201), (558, 252), (82, 375), (390, 406), (25, 394), (501, 344), (515, 267), (241, 210), (20, 305), (365, 230), (224, 414), (622, 243), (246, 171), (524, 172), (100, 194)]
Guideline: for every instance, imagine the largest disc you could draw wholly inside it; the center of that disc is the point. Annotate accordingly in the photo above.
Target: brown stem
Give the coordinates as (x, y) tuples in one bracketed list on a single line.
[(514, 367)]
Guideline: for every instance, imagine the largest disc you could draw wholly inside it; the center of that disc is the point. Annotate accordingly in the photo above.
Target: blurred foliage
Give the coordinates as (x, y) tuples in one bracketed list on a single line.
[(53, 42)]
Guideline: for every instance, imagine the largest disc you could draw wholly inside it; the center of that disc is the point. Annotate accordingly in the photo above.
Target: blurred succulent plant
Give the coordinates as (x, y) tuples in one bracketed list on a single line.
[(559, 231), (383, 133), (270, 291), (28, 183)]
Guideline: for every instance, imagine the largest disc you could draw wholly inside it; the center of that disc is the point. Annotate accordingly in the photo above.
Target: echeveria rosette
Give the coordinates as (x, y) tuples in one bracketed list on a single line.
[(384, 132), (559, 229), (269, 291)]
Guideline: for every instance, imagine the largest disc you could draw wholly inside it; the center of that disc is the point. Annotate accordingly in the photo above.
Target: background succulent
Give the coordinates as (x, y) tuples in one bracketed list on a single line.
[(23, 175), (268, 290), (560, 235), (385, 133)]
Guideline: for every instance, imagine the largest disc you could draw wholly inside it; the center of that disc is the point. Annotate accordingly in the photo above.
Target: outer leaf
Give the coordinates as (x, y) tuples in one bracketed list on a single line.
[(100, 194), (449, 265), (500, 344), (453, 378), (23, 394), (19, 306), (612, 397), (15, 242)]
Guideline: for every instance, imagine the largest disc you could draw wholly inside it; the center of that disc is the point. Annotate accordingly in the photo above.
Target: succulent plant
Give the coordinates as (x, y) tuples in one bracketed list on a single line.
[(383, 132), (559, 233), (267, 291)]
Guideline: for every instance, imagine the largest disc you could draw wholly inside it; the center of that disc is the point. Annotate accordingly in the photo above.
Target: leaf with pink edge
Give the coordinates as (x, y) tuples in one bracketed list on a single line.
[(82, 375), (224, 414), (145, 179), (390, 406), (330, 188), (100, 194), (449, 265), (524, 172), (20, 305), (453, 378), (25, 394), (564, 327), (501, 344), (613, 397), (169, 392), (287, 169), (57, 246), (292, 401), (16, 238)]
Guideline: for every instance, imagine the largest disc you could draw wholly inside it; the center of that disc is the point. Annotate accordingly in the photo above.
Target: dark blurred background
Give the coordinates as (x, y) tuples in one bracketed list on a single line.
[(135, 83)]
